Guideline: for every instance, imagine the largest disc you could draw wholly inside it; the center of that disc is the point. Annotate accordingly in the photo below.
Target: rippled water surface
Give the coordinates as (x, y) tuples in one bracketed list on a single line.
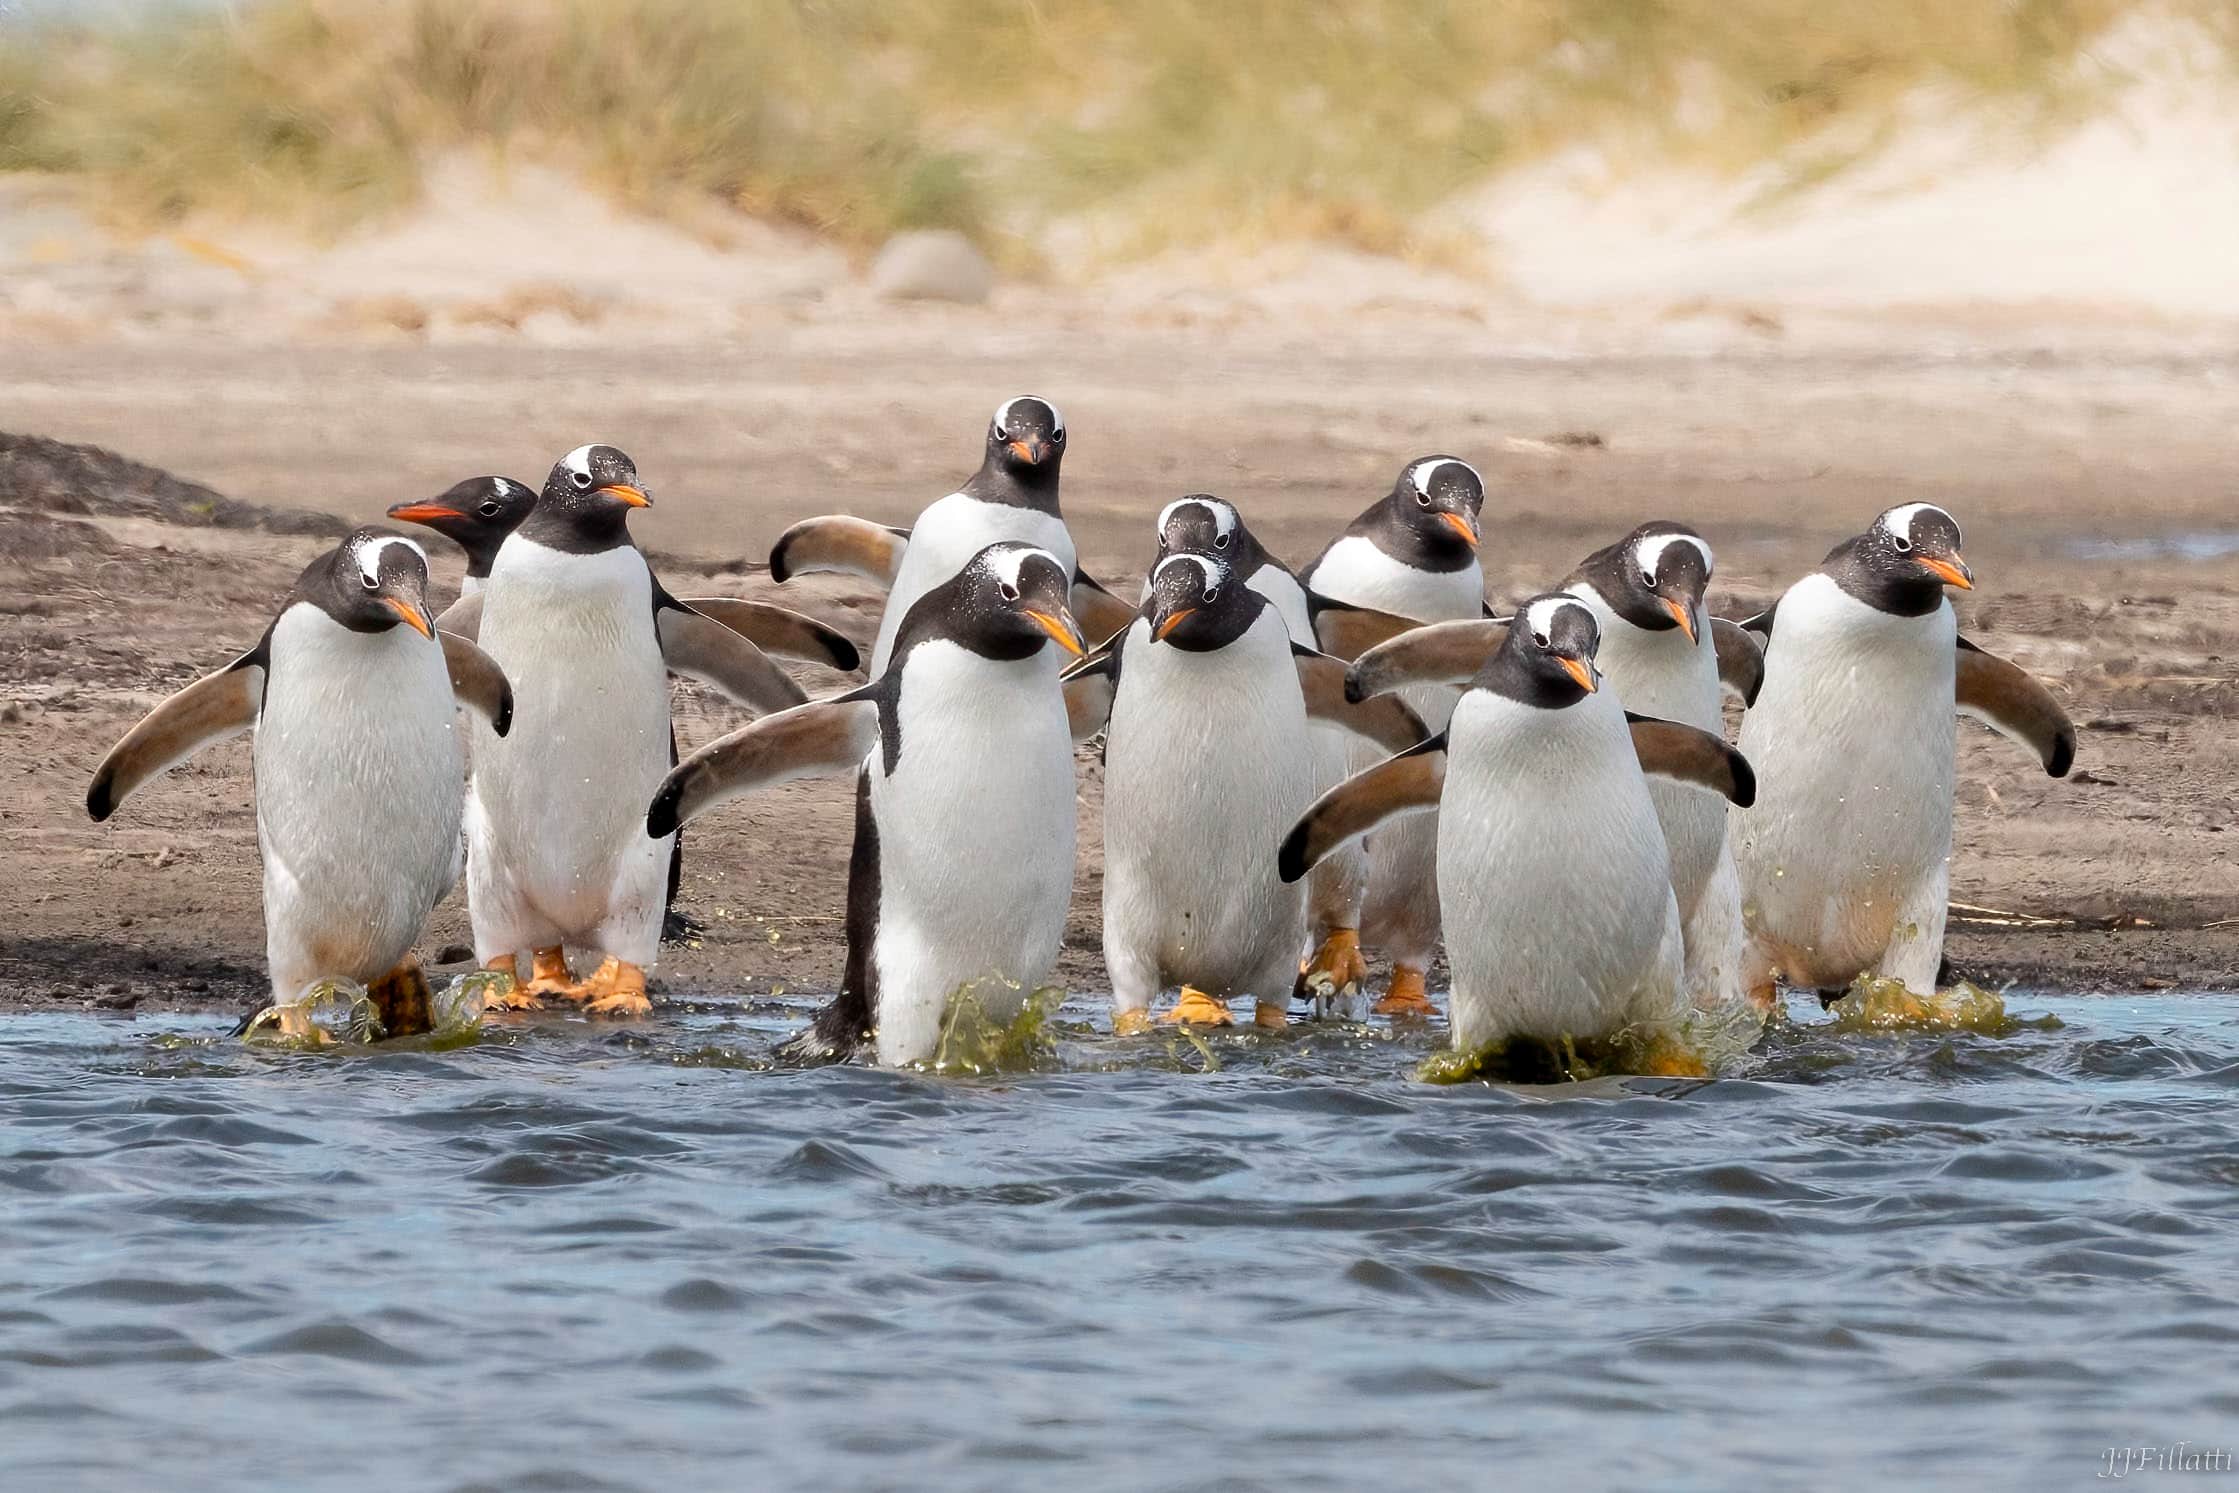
[(574, 1257)]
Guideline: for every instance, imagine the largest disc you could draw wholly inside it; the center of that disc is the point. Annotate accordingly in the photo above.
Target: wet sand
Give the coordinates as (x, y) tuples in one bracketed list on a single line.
[(2098, 479)]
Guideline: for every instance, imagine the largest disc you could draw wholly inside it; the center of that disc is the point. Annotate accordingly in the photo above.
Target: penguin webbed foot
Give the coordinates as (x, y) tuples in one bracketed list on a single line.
[(679, 927), (1337, 970), (834, 1035), (617, 990), (1196, 1008), (548, 976), (1405, 998)]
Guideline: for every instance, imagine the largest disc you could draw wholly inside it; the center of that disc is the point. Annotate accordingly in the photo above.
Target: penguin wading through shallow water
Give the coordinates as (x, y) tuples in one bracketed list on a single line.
[(964, 808), (1011, 499), (1414, 555), (1207, 763), (357, 761), (1662, 655), (557, 857), (1553, 874), (1846, 862)]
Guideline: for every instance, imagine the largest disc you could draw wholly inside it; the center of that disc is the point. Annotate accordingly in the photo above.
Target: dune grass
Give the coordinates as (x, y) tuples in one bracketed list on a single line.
[(1153, 121)]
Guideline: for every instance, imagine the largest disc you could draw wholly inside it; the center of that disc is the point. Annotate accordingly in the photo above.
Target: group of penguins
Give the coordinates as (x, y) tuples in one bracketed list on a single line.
[(1296, 763)]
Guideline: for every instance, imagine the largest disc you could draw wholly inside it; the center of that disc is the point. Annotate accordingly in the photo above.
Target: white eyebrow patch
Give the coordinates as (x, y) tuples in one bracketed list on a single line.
[(1213, 568), (1006, 560), (1003, 413), (579, 460), (1224, 514), (369, 555), (1898, 521), (1539, 617), (1650, 551), (1425, 471)]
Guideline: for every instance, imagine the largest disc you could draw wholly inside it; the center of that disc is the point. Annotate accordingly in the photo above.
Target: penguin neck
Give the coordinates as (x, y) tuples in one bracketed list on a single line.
[(1851, 565), (1015, 486), (587, 532), (1512, 675)]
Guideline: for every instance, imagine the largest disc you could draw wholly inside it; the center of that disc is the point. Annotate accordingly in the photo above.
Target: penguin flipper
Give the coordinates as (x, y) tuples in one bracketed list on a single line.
[(1741, 662), (782, 631), (1383, 721), (1348, 631), (699, 647), (1100, 614), (1406, 784), (1441, 653), (2007, 699), (836, 542), (463, 618), (477, 680), (209, 710), (823, 736), (1686, 754)]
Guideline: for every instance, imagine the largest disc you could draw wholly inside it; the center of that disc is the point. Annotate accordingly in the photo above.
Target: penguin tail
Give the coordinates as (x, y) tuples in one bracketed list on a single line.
[(837, 1033)]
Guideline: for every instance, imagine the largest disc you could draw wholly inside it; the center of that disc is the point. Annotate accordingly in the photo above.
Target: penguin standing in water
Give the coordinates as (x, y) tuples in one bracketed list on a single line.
[(557, 857), (1207, 762), (964, 806), (1413, 555), (1011, 499), (357, 759), (1553, 876), (1846, 862), (1662, 655)]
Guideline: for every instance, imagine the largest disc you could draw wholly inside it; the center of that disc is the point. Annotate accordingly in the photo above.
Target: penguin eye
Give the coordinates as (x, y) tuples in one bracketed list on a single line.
[(1000, 433), (1903, 545), (1220, 541), (1006, 590), (1422, 500), (489, 510), (370, 582), (1539, 639), (1648, 579), (1212, 593), (580, 479), (1057, 436)]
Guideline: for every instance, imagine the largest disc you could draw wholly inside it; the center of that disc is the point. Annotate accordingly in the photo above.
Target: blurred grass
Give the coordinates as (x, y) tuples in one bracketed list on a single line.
[(1153, 121)]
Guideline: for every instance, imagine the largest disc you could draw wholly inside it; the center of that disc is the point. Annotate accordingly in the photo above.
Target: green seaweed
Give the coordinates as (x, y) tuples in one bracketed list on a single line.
[(975, 1041), (1876, 1004)]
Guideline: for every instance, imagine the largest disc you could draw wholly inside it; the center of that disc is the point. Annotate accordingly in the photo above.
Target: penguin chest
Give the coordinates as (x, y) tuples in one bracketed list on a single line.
[(1556, 898), (358, 762), (1207, 764), (1355, 571), (975, 837), (565, 790), (1853, 739), (946, 537)]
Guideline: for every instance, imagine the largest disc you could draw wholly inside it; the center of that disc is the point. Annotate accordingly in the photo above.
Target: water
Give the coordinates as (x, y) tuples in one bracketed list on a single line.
[(568, 1257)]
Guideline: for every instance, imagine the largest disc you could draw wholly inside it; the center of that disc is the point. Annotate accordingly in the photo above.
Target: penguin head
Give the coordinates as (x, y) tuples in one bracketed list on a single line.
[(1904, 561), (1548, 656), (1654, 578), (1197, 604), (1439, 500), (1199, 524), (1013, 599), (372, 582), (590, 495), (475, 514), (1026, 439)]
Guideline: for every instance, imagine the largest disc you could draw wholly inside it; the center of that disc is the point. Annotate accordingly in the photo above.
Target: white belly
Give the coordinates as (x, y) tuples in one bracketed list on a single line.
[(1557, 904), (975, 841), (1852, 738), (560, 800), (943, 541), (1664, 675), (1207, 766), (358, 763)]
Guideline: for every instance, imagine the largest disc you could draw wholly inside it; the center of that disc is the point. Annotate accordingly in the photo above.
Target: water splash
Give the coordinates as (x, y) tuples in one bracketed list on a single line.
[(974, 1040), (326, 1013), (1699, 1044), (1875, 1004)]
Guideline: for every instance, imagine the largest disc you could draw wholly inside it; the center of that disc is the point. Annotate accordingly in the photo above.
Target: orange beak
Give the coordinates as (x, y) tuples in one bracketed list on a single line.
[(1063, 628), (1578, 670), (423, 513), (1953, 572), (634, 496), (411, 615), (1461, 526), (1029, 452), (1681, 615), (1173, 620)]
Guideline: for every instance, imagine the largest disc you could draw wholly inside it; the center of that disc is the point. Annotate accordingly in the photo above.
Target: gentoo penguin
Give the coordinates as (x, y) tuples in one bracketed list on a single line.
[(1414, 555), (1662, 655), (1207, 762), (1553, 876), (476, 515), (357, 761), (1846, 862), (964, 804), (1012, 498), (556, 855)]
